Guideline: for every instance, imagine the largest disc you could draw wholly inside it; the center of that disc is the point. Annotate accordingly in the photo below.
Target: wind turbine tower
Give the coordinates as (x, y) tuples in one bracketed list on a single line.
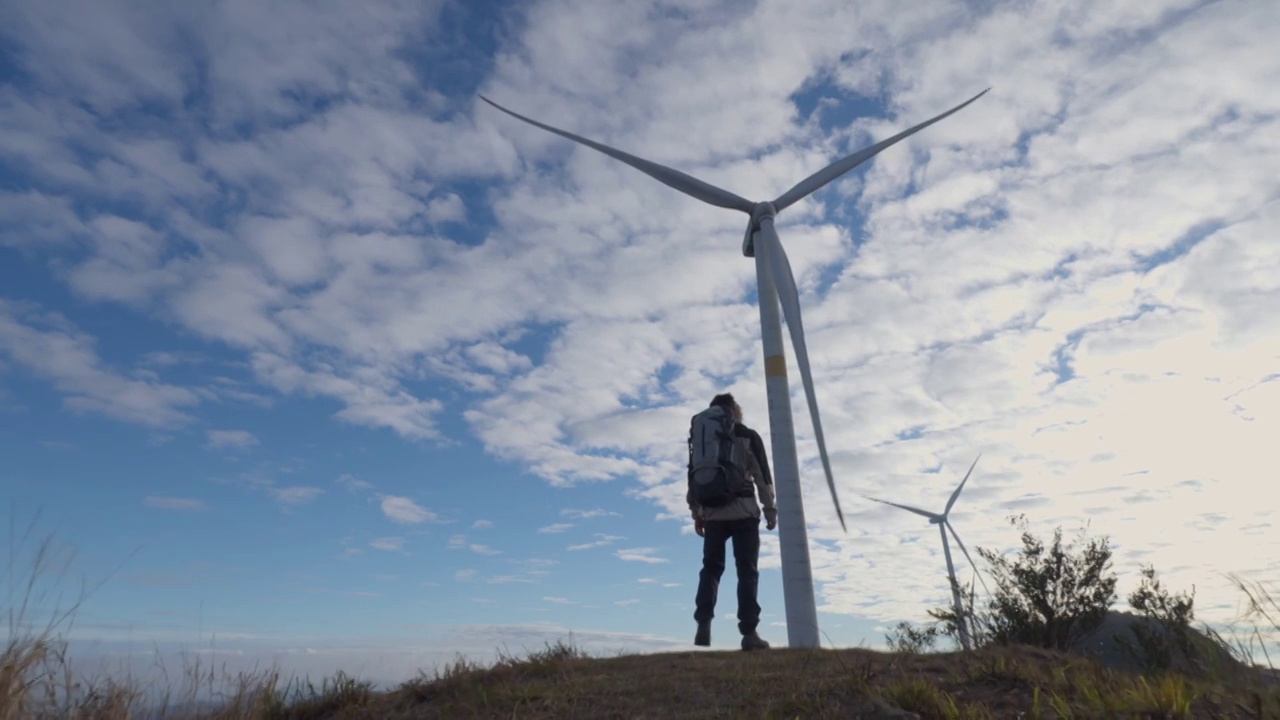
[(944, 524), (775, 286)]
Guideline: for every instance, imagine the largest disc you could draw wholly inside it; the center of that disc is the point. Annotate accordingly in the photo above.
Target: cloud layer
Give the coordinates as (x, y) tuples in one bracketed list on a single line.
[(1077, 275)]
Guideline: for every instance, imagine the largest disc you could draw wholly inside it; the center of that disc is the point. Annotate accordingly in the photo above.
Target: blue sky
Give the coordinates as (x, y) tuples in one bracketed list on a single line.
[(346, 369)]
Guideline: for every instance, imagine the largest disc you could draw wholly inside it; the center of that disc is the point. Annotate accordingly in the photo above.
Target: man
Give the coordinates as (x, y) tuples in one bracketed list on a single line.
[(739, 521)]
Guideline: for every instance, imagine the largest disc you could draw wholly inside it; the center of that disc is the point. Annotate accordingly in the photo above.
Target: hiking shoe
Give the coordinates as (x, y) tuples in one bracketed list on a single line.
[(753, 641), (703, 637)]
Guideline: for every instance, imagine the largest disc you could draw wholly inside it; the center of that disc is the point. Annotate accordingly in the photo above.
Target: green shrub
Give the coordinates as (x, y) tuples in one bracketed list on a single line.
[(912, 639), (1049, 595), (1166, 635)]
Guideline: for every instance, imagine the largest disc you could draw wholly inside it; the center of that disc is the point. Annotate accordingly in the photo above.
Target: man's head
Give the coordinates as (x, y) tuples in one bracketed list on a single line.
[(726, 401)]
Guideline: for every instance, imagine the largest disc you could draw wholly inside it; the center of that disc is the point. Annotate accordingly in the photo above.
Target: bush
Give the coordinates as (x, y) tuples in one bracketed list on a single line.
[(946, 621), (911, 639), (1166, 635), (1049, 595)]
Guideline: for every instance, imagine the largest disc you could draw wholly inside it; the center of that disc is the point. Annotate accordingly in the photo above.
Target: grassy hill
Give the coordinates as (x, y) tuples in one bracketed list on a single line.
[(1042, 598), (560, 682), (993, 683)]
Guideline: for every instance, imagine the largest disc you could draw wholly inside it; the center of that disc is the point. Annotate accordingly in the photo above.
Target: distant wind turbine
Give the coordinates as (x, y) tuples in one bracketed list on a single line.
[(775, 284), (944, 524)]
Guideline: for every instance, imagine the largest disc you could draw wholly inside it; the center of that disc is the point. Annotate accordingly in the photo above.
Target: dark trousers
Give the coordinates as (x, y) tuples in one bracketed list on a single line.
[(745, 534)]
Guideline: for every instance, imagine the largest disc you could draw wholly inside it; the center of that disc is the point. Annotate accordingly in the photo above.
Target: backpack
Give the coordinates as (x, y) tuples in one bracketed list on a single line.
[(717, 462)]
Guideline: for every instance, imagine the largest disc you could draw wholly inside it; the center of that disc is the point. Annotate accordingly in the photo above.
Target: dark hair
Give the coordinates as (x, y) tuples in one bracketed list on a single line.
[(724, 399)]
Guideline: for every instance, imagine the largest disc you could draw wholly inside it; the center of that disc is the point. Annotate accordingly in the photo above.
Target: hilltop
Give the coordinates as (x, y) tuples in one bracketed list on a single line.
[(1153, 662), (560, 682)]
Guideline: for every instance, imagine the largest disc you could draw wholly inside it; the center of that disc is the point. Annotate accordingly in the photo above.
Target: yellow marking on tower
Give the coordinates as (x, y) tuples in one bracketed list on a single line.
[(775, 366)]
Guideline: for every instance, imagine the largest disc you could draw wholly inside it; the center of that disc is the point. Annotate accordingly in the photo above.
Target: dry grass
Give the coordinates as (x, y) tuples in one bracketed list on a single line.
[(562, 682)]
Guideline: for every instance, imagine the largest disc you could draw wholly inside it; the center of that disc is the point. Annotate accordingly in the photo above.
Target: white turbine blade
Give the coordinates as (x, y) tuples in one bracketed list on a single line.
[(784, 281), (908, 508), (965, 550), (956, 493), (844, 165), (686, 184)]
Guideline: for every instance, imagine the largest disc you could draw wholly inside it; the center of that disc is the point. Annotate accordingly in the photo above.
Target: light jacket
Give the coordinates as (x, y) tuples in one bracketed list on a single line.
[(743, 507)]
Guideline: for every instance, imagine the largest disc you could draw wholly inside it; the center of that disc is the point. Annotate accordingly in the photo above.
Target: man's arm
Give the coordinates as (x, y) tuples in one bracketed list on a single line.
[(764, 488), (757, 449), (759, 466), (694, 509)]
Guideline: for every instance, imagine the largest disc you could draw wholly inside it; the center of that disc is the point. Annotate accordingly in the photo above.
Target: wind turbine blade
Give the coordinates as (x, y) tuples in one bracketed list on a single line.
[(968, 557), (780, 269), (686, 184), (956, 493), (844, 165), (908, 508)]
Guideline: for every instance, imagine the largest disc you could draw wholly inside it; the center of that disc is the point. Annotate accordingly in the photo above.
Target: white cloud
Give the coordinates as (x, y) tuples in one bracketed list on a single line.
[(231, 279), (493, 357), (238, 439), (587, 514), (174, 503), (369, 400), (482, 525), (447, 208), (644, 555), (296, 495), (34, 218), (601, 541), (353, 484), (535, 566), (626, 603), (559, 600), (405, 511), (466, 575), (49, 346), (388, 544), (165, 359), (508, 579), (556, 528), (484, 550), (263, 478)]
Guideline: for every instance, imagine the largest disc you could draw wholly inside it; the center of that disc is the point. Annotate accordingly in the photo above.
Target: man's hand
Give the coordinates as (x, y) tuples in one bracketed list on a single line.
[(771, 520), (698, 528)]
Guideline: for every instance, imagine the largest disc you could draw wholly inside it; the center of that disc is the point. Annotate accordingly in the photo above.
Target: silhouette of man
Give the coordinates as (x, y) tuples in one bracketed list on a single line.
[(738, 521)]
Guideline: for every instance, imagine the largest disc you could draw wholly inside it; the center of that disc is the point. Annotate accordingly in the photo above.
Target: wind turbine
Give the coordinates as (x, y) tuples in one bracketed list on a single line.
[(775, 285), (944, 524)]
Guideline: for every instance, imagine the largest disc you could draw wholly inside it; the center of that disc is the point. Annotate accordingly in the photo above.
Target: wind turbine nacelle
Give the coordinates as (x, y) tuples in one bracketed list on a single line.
[(761, 210)]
